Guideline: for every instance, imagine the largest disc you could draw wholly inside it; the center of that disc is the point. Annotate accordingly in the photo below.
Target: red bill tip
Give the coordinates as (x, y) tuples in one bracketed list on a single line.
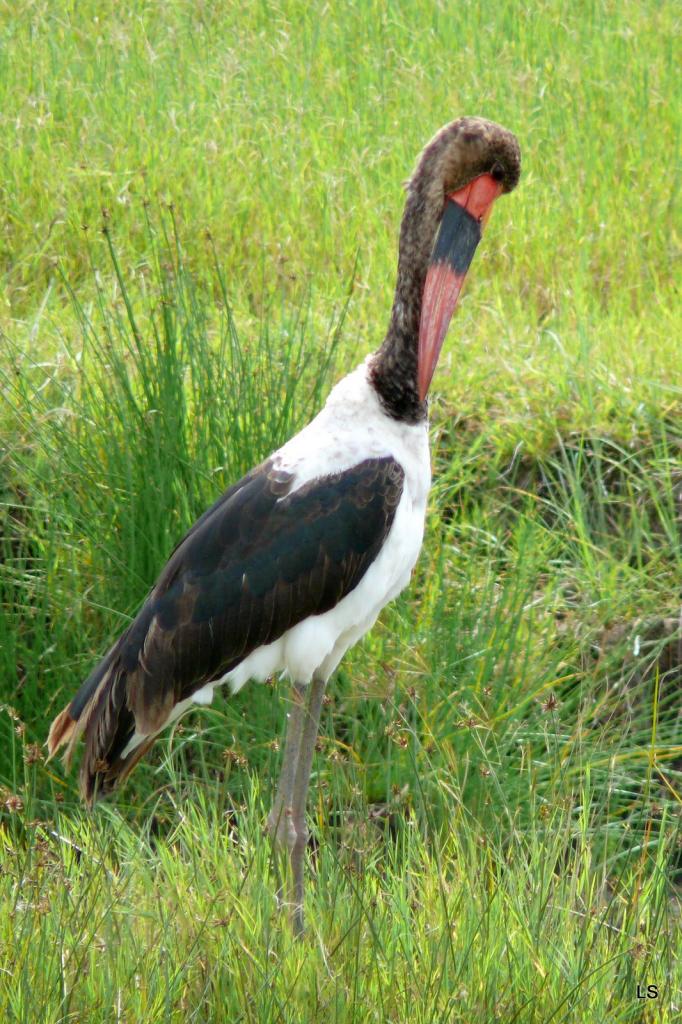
[(478, 196)]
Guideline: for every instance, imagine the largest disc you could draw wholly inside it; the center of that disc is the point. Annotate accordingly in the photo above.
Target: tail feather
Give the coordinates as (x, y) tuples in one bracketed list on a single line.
[(100, 713), (95, 785), (69, 724), (61, 732)]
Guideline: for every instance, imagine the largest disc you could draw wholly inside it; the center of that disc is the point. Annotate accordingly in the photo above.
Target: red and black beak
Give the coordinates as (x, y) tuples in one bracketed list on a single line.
[(466, 212)]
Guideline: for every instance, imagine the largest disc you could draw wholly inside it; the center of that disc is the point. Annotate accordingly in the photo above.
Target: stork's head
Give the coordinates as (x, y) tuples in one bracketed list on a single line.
[(462, 171)]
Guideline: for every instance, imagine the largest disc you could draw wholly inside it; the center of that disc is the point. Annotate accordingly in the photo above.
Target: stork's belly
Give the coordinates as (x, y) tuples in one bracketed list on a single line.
[(317, 644)]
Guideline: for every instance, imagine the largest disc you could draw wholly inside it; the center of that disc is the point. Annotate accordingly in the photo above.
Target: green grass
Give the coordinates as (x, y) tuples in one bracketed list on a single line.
[(496, 801)]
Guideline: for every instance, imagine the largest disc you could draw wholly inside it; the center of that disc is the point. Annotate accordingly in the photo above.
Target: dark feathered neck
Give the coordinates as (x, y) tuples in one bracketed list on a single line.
[(393, 369)]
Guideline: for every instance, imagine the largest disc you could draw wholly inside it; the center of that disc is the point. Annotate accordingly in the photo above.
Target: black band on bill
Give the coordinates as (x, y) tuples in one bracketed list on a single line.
[(457, 238)]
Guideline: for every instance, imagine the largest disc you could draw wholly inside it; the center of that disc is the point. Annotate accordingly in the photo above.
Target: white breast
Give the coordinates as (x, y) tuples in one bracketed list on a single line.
[(352, 427)]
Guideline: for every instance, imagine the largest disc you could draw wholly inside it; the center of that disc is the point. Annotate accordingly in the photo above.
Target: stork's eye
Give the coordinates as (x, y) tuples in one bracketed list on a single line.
[(497, 172)]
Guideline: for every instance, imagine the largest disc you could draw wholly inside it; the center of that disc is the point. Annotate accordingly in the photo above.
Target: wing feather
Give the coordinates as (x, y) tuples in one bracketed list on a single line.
[(261, 559)]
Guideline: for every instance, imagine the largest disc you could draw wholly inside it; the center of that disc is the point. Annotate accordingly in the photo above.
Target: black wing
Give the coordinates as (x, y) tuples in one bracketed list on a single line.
[(256, 563)]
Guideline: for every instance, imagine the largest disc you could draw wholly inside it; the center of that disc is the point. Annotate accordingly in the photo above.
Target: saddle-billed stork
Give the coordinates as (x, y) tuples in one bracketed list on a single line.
[(292, 564)]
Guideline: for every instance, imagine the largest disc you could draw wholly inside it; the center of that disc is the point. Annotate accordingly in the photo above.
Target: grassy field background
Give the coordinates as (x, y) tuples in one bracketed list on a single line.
[(200, 205)]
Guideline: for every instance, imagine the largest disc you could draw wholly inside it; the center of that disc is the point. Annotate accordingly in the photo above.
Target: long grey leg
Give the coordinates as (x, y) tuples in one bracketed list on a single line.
[(280, 819), (300, 794)]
